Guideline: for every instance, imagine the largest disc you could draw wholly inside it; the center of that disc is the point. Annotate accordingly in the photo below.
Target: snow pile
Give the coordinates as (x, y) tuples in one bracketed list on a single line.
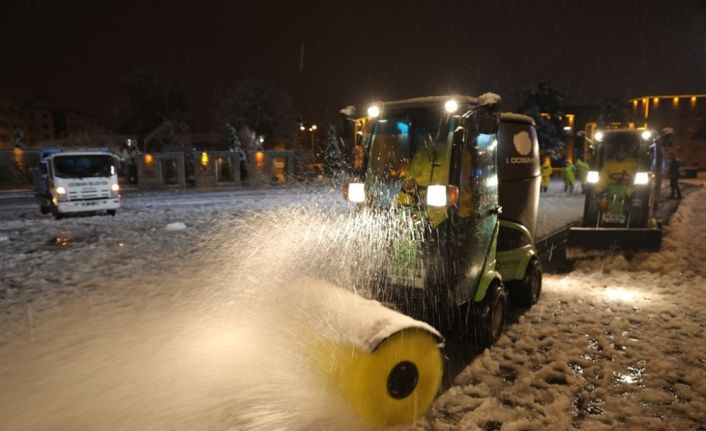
[(489, 99), (617, 344)]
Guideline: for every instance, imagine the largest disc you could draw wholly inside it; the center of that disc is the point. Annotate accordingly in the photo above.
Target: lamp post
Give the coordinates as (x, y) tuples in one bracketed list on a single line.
[(312, 129)]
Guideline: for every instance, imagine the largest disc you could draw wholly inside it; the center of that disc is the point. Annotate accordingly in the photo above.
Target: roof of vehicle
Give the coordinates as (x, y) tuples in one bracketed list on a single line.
[(622, 130), (55, 152), (422, 102), (512, 117)]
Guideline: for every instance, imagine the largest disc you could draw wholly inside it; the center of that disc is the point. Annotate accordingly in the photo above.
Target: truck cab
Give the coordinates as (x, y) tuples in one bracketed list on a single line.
[(76, 181), (433, 177), (621, 194)]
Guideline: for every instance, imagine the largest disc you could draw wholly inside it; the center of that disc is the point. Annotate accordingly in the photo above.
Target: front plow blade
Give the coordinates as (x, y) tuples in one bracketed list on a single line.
[(586, 239)]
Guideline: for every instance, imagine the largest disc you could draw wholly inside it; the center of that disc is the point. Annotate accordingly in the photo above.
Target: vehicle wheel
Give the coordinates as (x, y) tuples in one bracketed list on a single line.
[(526, 293), (493, 314), (57, 215), (111, 212), (44, 209)]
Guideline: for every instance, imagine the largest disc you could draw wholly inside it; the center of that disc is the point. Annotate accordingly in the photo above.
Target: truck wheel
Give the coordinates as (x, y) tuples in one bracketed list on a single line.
[(526, 292), (44, 209), (111, 212), (57, 215), (493, 314)]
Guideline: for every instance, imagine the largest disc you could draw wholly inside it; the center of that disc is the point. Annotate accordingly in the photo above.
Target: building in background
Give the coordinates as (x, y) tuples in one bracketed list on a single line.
[(42, 121), (12, 118), (685, 113)]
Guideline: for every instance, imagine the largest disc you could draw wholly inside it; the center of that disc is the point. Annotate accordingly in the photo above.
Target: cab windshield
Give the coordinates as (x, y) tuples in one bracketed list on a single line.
[(400, 136), (83, 166), (622, 146)]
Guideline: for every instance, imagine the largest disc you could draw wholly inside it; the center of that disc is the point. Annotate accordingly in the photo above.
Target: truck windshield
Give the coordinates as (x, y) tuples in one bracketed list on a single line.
[(622, 146), (400, 136), (83, 166)]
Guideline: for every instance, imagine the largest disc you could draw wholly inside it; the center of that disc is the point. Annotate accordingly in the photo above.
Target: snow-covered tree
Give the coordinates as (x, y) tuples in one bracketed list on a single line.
[(332, 153), (264, 109), (614, 109), (544, 104), (19, 139), (234, 143), (152, 100)]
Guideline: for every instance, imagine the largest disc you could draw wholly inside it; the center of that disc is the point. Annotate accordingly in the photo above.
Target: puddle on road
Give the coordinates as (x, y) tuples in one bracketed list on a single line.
[(65, 238), (633, 376)]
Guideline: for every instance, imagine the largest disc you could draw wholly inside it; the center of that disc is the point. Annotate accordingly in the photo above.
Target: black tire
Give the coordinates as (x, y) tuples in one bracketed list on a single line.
[(111, 212), (526, 292), (55, 212), (44, 209), (492, 315)]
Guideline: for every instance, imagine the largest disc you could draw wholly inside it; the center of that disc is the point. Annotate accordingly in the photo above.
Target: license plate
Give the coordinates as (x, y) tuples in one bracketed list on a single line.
[(614, 218)]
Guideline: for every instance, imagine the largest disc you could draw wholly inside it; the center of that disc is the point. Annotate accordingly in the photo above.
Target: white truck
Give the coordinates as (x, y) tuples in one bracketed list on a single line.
[(76, 181)]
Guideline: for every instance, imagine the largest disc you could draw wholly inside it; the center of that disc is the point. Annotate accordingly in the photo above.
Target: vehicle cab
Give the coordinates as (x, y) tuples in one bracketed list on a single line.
[(430, 175), (623, 178), (77, 181)]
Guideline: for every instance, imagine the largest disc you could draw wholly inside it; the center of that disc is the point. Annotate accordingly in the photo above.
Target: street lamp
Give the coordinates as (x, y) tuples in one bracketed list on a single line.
[(312, 129)]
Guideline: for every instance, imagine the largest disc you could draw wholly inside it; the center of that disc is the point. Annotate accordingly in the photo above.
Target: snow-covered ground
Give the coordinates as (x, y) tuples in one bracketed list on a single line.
[(558, 208), (187, 312), (616, 344)]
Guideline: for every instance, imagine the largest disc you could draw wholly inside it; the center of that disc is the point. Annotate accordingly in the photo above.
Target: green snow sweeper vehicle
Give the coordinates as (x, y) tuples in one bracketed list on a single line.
[(459, 183), (621, 194)]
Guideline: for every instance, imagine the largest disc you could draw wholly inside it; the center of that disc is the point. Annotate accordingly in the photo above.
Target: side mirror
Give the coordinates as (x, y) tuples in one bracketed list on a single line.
[(458, 137)]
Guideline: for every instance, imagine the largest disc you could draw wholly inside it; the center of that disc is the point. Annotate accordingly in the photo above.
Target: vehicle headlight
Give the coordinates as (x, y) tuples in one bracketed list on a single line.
[(592, 177), (115, 187), (436, 196), (60, 190), (641, 178), (374, 111), (356, 192)]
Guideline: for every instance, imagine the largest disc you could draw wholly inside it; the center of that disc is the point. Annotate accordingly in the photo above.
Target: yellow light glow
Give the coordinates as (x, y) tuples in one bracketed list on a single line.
[(149, 159), (260, 159), (204, 159), (655, 100), (313, 127), (675, 101), (693, 101), (634, 103)]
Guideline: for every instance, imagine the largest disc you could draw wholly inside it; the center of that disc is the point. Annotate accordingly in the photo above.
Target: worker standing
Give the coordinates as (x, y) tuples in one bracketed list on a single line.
[(569, 176), (582, 171), (546, 172)]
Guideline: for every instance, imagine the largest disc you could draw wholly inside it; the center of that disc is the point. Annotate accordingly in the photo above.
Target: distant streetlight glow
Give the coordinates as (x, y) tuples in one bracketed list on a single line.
[(451, 106)]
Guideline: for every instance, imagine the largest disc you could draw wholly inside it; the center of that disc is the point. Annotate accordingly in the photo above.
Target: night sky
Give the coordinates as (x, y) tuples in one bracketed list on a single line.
[(78, 52)]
